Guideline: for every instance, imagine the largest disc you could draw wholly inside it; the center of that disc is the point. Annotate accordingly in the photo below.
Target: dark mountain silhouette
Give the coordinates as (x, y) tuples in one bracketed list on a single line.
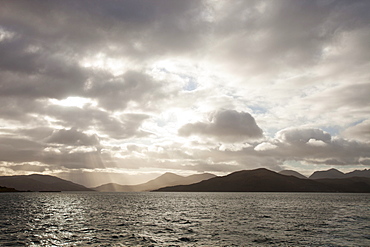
[(359, 173), (263, 180), (167, 179), (6, 189), (292, 173), (331, 173), (334, 173), (37, 182)]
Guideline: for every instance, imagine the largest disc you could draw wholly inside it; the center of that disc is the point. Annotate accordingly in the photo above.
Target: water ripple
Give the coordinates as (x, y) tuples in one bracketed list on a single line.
[(184, 219)]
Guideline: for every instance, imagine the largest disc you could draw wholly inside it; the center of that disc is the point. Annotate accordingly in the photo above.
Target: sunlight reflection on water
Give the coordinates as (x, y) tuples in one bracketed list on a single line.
[(184, 219)]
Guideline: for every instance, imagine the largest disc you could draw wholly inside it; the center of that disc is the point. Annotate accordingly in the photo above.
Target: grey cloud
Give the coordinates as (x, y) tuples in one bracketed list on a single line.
[(19, 150), (360, 131), (303, 135), (117, 92), (354, 96), (72, 137), (294, 144), (28, 167), (83, 26), (118, 128), (19, 109), (132, 124), (36, 134), (277, 35), (226, 125), (40, 75), (42, 58), (270, 36)]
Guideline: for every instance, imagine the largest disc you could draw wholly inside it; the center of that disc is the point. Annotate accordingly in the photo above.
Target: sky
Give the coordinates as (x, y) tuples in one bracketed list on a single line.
[(122, 91)]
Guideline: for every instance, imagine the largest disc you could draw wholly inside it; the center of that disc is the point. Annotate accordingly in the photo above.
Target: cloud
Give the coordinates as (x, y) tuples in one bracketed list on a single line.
[(147, 29), (119, 126), (360, 131), (347, 97), (269, 37), (302, 135), (315, 146), (72, 137), (265, 146), (19, 150), (117, 92), (225, 125), (143, 75), (28, 167)]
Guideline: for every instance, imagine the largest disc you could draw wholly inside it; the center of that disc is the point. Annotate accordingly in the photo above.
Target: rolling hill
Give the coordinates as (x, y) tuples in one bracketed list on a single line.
[(167, 179), (37, 182)]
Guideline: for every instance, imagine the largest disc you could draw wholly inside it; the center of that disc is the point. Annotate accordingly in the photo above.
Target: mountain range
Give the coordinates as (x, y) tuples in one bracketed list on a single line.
[(264, 180), (334, 173), (258, 180), (37, 182), (167, 179)]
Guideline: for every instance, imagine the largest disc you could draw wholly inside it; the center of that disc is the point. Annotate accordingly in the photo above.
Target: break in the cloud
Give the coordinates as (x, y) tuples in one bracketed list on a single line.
[(142, 87)]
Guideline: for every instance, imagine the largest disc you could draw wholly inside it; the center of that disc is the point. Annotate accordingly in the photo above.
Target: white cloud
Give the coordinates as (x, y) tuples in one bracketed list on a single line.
[(264, 146)]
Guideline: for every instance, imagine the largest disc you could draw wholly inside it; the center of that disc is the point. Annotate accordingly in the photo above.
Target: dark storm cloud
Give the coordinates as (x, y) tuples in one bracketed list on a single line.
[(227, 125)]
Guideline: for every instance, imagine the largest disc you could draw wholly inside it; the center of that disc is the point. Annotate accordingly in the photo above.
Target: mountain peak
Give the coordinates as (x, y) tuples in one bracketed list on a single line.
[(331, 173), (169, 174), (335, 170)]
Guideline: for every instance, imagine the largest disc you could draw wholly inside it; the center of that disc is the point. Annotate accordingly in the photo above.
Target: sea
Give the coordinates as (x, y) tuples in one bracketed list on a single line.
[(184, 219)]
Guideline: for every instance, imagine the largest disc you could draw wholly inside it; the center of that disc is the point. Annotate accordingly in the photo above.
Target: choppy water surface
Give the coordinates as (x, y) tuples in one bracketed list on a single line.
[(184, 219)]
